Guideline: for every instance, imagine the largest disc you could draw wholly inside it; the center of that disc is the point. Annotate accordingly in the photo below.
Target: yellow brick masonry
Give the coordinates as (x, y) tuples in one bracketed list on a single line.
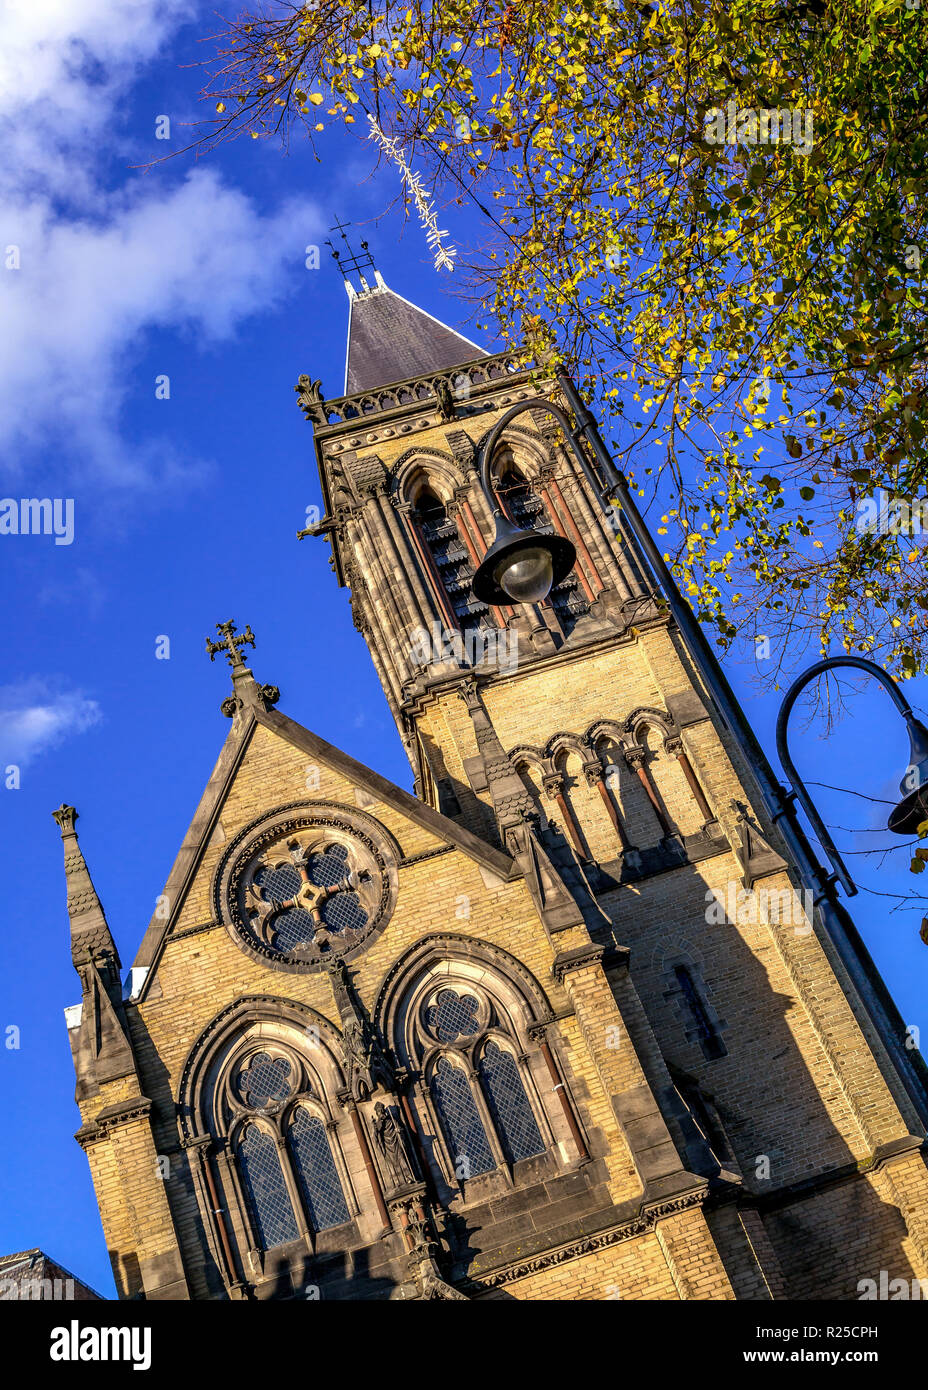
[(136, 1217), (200, 971), (863, 1108)]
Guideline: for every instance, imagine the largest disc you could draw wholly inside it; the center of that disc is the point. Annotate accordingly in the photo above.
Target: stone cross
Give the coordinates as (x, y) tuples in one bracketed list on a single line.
[(230, 644)]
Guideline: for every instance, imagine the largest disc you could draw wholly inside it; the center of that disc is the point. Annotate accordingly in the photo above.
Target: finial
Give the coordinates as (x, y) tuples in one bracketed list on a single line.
[(65, 816), (247, 691), (232, 645)]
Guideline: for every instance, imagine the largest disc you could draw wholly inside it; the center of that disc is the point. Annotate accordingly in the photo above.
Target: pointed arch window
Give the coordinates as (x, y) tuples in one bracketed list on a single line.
[(285, 1159), (476, 1082), (315, 1170), (517, 1127), (263, 1180), (451, 562), (703, 1029), (468, 1145), (527, 509)]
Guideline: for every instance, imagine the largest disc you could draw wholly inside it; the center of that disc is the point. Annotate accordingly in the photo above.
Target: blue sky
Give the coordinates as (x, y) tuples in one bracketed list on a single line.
[(185, 515)]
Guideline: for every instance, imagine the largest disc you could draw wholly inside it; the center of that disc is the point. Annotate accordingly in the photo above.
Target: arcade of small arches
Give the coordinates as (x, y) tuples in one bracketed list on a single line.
[(618, 788)]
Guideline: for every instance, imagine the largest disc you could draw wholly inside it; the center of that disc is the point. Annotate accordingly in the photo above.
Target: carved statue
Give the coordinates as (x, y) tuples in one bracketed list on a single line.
[(391, 1141), (358, 1053), (446, 404)]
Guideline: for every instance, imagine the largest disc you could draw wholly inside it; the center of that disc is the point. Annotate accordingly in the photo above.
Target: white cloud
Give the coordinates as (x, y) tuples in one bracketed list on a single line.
[(35, 718), (99, 268)]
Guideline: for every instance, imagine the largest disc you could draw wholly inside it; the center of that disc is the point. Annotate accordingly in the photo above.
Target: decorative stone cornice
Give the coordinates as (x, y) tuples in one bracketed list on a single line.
[(396, 399), (577, 959), (647, 1219), (124, 1112)]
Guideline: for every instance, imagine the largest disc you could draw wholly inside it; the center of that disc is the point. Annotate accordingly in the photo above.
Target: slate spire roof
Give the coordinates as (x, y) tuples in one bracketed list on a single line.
[(390, 339)]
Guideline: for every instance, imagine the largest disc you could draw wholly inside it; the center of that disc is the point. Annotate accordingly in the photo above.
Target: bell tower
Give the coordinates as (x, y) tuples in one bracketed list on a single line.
[(576, 735), (408, 526), (558, 1026)]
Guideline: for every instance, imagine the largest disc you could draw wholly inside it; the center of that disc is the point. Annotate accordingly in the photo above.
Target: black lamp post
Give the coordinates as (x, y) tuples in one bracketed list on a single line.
[(520, 566), (910, 812), (514, 559)]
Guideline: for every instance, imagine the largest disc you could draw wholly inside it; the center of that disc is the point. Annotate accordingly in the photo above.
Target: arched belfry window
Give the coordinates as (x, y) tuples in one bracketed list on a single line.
[(488, 1096), (527, 509), (451, 562)]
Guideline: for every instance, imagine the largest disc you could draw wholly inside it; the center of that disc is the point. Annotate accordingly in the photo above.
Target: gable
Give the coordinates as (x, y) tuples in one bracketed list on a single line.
[(269, 761)]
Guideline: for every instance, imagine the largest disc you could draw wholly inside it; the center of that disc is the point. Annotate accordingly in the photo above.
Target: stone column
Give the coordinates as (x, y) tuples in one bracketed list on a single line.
[(593, 771), (554, 786), (637, 761), (675, 747)]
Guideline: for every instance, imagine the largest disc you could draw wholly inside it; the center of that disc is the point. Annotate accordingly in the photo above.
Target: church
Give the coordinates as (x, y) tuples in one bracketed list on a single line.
[(494, 1038)]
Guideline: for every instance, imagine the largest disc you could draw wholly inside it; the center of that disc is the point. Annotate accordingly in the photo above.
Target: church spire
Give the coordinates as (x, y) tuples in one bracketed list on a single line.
[(91, 938), (99, 1042), (390, 339)]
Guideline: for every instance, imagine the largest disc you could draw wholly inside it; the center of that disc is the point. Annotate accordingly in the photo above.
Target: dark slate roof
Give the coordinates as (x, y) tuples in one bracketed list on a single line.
[(391, 340), (28, 1266)]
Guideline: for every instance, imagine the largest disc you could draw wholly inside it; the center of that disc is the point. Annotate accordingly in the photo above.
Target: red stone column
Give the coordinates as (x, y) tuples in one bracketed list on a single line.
[(637, 760), (554, 788), (675, 746), (594, 776)]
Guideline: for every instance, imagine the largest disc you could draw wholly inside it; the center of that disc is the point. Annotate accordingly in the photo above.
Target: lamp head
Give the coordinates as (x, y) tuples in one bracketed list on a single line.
[(522, 566), (913, 808)]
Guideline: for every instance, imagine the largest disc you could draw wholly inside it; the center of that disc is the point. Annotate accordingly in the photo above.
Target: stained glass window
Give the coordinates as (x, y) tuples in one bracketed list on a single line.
[(467, 1140), (272, 1213), (341, 911), (509, 1104), (280, 883), (265, 1079), (330, 867), (316, 1171), (452, 1016), (293, 926)]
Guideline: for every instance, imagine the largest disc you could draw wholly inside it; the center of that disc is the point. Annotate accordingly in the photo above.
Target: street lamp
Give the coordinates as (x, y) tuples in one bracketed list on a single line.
[(911, 811), (513, 548), (520, 566)]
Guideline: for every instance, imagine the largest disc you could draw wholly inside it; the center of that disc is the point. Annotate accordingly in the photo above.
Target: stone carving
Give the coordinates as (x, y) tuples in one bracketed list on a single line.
[(390, 1138), (311, 400)]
